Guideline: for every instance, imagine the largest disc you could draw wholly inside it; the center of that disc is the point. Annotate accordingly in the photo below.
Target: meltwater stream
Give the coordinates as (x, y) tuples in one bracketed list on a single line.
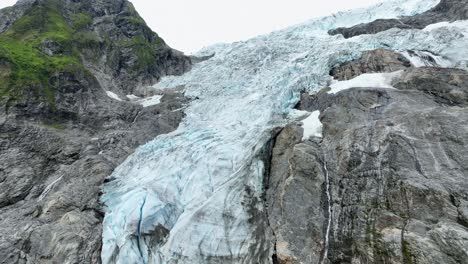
[(189, 196)]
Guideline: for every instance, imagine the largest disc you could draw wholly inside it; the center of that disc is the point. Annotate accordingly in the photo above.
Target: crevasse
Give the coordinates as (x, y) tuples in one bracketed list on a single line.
[(193, 196)]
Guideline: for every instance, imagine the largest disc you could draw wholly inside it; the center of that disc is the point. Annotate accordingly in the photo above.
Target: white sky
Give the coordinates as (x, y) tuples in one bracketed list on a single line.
[(189, 25)]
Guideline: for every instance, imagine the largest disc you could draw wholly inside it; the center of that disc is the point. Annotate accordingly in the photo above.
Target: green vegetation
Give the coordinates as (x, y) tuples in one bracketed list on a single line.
[(374, 238), (85, 39), (29, 69), (143, 49), (407, 255), (81, 21), (43, 43), (133, 20)]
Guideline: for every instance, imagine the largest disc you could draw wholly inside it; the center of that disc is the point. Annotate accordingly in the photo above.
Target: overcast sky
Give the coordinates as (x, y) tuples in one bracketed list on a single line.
[(189, 25)]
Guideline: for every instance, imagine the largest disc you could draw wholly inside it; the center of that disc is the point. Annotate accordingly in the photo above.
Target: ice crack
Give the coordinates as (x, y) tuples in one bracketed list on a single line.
[(140, 222)]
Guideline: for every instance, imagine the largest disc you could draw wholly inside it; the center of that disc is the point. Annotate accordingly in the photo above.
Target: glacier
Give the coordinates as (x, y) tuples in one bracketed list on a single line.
[(195, 195)]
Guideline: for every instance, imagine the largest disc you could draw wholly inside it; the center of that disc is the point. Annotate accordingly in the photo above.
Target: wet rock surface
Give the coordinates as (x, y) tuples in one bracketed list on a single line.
[(446, 10), (396, 160)]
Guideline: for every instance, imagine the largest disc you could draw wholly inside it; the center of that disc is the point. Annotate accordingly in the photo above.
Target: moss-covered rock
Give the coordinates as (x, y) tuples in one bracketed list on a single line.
[(23, 51), (59, 36)]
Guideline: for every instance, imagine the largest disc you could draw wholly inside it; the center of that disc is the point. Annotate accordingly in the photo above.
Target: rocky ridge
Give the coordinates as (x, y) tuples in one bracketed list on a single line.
[(446, 10)]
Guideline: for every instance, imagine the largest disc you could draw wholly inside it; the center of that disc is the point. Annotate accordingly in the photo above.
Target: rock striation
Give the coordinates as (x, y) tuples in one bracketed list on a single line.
[(393, 162), (395, 159)]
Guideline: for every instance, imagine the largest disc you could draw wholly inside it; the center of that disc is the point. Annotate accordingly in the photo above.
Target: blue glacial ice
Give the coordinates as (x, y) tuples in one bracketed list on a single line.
[(189, 196)]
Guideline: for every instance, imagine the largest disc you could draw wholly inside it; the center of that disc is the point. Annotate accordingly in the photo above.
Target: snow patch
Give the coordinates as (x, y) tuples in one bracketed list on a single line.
[(113, 96), (149, 101), (312, 126), (374, 80), (133, 97)]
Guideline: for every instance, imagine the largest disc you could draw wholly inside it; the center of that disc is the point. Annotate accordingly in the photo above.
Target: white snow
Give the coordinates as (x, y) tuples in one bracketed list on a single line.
[(312, 126), (375, 80), (133, 97), (194, 181), (426, 59), (149, 101), (113, 95)]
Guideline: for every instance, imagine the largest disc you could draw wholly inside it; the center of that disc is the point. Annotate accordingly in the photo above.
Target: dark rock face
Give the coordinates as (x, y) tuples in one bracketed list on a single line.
[(10, 14), (294, 198), (446, 10), (51, 173), (380, 60), (396, 163), (118, 44), (55, 154), (445, 86)]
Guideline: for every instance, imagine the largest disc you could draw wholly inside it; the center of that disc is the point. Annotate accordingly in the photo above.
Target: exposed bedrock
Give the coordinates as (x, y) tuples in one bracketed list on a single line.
[(51, 173), (446, 10), (373, 61), (61, 134), (397, 165)]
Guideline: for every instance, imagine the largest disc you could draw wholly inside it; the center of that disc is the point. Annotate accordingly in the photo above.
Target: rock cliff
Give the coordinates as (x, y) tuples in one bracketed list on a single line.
[(395, 160), (370, 166), (60, 132), (387, 181)]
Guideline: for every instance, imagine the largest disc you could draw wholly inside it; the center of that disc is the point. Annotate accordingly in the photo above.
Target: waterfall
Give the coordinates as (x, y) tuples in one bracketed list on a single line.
[(329, 211)]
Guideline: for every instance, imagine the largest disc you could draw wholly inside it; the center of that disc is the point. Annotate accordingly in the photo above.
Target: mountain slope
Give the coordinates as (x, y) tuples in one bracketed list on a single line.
[(107, 39), (66, 122), (394, 162), (213, 195), (299, 146)]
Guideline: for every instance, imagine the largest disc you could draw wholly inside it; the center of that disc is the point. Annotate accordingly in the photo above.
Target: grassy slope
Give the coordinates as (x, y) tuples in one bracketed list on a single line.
[(25, 70), (25, 67)]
